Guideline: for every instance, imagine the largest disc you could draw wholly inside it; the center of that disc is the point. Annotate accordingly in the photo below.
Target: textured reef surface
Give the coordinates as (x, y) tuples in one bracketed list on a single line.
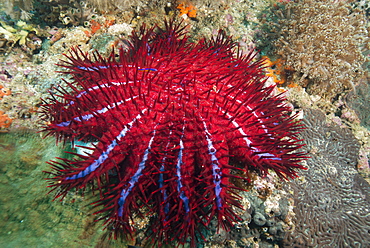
[(331, 199), (318, 57)]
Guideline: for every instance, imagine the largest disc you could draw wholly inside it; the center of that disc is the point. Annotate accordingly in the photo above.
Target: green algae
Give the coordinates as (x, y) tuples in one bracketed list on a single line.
[(30, 217)]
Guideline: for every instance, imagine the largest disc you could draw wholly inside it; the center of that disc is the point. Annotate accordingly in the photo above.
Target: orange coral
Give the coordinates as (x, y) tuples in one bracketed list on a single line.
[(95, 26), (5, 121), (4, 91), (187, 9), (279, 72), (109, 22), (275, 70)]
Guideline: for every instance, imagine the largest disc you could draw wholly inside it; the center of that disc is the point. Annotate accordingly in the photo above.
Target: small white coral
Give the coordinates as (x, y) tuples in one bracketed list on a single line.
[(25, 15), (118, 29)]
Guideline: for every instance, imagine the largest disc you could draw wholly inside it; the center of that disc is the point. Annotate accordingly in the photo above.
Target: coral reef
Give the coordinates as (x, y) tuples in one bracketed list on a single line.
[(5, 44), (30, 48), (364, 5), (331, 199), (359, 101), (76, 13), (21, 34), (267, 216), (18, 9), (323, 41)]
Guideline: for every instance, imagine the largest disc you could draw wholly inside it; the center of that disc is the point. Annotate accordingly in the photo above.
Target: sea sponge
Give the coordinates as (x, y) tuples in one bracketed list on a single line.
[(4, 91), (322, 41), (187, 9), (5, 122), (79, 13)]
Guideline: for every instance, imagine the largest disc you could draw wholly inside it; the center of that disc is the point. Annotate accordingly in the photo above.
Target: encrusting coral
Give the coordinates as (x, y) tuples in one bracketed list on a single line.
[(4, 92), (187, 9), (5, 121), (323, 42)]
